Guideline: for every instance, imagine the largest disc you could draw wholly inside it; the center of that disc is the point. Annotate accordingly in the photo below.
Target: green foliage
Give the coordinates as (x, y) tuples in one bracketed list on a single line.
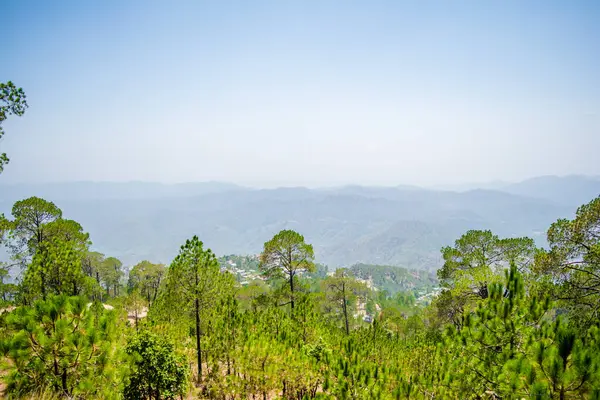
[(394, 279), (449, 308), (12, 102), (509, 348), (60, 344), (48, 247), (146, 277), (406, 300), (285, 256), (134, 305), (342, 291), (110, 273), (103, 272), (479, 258), (564, 363), (5, 226), (55, 269), (503, 327), (573, 262), (157, 371), (194, 286), (497, 332), (68, 230), (254, 295), (27, 230), (91, 263)]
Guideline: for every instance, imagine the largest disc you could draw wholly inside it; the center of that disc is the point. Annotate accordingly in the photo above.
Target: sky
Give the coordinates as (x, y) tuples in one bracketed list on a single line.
[(315, 93)]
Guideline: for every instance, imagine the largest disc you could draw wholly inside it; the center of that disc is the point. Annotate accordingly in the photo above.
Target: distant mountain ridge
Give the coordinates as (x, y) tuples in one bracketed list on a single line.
[(114, 190), (399, 226), (573, 189)]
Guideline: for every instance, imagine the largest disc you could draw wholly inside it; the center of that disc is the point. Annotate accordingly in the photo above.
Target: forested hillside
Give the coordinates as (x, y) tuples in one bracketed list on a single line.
[(508, 320), (400, 226), (299, 200)]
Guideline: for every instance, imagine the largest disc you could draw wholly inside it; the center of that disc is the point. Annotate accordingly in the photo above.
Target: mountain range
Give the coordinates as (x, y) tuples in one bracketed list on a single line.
[(404, 226)]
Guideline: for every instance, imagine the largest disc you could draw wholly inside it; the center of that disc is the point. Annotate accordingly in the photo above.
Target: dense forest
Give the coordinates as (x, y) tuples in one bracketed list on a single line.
[(511, 321)]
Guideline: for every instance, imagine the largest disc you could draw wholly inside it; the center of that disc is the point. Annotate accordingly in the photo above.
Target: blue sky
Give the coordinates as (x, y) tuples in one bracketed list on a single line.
[(302, 92)]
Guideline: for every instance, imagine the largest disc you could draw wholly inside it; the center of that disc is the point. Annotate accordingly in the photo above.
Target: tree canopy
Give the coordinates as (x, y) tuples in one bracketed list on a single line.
[(573, 262), (146, 278), (194, 285), (285, 256), (12, 102)]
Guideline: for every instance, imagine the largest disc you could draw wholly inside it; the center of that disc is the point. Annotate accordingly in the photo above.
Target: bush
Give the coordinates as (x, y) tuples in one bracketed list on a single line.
[(157, 371)]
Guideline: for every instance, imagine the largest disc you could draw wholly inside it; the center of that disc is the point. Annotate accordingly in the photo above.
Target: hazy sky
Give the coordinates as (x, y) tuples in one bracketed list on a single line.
[(302, 92)]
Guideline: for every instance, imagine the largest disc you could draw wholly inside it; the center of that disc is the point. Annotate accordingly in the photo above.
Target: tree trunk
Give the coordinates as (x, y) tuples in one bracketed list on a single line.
[(116, 284), (43, 278), (291, 269), (345, 308), (64, 382), (198, 348), (304, 324), (292, 290)]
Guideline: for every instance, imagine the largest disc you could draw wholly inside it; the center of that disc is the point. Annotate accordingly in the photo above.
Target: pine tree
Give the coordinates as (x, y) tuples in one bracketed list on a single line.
[(194, 285), (343, 290), (146, 278), (573, 263), (285, 256), (61, 345)]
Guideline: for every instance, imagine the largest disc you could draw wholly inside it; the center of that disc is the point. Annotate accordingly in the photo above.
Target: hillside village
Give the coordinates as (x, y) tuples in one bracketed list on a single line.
[(246, 270)]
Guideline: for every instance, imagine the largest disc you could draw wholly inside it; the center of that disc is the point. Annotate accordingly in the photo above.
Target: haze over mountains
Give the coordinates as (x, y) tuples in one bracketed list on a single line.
[(404, 225)]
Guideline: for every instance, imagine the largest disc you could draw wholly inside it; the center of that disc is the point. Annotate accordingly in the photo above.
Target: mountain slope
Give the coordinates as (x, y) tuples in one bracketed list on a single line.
[(394, 226), (572, 190)]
